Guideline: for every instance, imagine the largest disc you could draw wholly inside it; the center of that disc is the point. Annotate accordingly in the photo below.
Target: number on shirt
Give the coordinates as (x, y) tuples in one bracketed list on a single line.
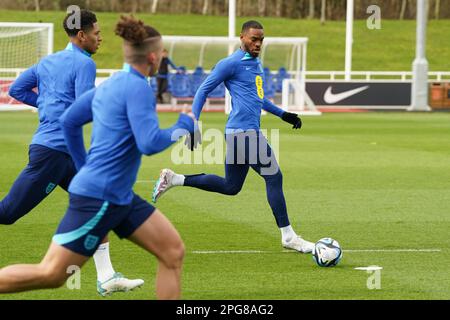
[(259, 86)]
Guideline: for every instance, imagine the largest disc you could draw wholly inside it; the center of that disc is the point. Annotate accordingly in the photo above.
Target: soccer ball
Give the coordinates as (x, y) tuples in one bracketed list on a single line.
[(327, 252)]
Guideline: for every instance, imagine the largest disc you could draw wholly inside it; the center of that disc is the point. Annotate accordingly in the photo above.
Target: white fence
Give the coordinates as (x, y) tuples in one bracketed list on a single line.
[(384, 76), (8, 75)]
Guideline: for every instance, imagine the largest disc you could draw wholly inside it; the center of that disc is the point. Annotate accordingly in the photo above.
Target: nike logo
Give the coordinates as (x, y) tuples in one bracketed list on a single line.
[(248, 68), (331, 98)]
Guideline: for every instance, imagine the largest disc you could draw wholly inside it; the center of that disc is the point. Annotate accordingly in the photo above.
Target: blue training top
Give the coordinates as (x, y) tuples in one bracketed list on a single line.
[(125, 126), (244, 77), (60, 78)]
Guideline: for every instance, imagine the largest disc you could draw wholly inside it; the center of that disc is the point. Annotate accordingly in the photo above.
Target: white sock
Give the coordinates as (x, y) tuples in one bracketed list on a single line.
[(177, 179), (103, 264), (287, 233)]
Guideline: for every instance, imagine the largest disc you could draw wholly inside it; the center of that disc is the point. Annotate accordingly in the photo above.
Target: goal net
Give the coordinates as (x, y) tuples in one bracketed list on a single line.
[(283, 59), (21, 46)]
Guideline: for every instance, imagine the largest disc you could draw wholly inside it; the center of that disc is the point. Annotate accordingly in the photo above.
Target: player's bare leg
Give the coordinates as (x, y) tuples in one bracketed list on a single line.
[(52, 272), (158, 236)]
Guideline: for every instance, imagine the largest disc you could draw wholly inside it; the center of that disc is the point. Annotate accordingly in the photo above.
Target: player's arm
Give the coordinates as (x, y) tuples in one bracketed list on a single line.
[(170, 62), (289, 117), (22, 88), (269, 106), (72, 121), (150, 139), (85, 77), (221, 72)]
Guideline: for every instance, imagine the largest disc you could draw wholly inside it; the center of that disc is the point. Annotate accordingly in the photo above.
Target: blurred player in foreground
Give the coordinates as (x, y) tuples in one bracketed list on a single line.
[(60, 78), (125, 126)]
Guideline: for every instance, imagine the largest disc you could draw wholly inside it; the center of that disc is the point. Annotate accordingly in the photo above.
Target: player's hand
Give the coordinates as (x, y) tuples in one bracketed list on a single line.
[(193, 139), (293, 119)]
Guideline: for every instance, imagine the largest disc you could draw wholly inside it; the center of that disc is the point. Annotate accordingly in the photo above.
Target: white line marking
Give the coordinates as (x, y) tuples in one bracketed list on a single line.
[(293, 251), (231, 251), (393, 250), (369, 268)]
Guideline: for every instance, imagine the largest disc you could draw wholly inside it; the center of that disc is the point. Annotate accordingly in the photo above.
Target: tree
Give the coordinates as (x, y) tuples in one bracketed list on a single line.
[(437, 8), (239, 8), (403, 9), (262, 7), (278, 8), (135, 4), (205, 7), (311, 9), (56, 5), (37, 5), (112, 5), (323, 11), (154, 6)]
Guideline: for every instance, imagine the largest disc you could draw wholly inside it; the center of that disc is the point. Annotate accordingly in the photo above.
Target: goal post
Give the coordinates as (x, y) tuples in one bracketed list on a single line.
[(287, 53), (21, 46)]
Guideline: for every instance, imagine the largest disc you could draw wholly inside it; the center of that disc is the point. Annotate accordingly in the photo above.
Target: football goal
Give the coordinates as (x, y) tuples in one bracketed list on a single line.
[(283, 59), (21, 46)]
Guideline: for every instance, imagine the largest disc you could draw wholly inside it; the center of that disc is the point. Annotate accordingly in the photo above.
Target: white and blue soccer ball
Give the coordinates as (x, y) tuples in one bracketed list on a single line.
[(327, 252)]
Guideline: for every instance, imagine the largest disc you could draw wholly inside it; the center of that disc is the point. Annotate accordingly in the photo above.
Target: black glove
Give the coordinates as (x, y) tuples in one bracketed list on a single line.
[(193, 139), (293, 119)]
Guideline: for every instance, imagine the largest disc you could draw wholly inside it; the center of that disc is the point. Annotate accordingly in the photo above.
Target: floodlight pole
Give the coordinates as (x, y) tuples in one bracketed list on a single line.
[(419, 88), (231, 35), (349, 40)]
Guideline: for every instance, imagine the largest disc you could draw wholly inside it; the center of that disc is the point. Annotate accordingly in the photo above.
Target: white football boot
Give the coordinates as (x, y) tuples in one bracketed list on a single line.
[(118, 283), (299, 244), (163, 184)]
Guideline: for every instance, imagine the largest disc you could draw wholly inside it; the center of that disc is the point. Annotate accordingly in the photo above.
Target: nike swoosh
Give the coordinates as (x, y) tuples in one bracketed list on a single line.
[(331, 98), (248, 68)]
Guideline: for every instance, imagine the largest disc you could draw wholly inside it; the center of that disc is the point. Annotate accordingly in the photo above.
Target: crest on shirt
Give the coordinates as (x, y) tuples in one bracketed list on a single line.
[(90, 242)]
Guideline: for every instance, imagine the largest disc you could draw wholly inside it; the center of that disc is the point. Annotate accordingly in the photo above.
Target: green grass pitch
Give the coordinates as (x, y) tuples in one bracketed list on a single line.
[(373, 181)]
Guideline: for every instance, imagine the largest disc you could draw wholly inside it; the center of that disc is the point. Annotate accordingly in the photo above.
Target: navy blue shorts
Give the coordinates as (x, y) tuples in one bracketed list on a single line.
[(46, 169), (250, 148), (88, 220)]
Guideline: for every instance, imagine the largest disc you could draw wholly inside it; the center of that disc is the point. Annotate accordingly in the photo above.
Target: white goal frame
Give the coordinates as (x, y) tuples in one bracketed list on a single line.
[(296, 67), (15, 72), (34, 25)]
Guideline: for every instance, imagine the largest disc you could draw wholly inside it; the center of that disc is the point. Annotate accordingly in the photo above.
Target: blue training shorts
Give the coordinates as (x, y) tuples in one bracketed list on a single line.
[(47, 168), (88, 220)]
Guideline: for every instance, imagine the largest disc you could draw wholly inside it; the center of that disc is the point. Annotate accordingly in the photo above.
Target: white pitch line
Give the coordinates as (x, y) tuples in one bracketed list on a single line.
[(392, 250), (231, 251), (292, 251)]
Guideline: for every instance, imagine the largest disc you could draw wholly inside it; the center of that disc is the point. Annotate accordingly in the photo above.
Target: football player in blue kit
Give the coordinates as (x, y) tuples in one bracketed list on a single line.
[(60, 78), (243, 76), (101, 196)]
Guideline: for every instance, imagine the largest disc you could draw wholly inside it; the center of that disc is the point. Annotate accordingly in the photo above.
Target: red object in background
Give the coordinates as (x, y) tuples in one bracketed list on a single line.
[(4, 88), (4, 96), (436, 98)]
